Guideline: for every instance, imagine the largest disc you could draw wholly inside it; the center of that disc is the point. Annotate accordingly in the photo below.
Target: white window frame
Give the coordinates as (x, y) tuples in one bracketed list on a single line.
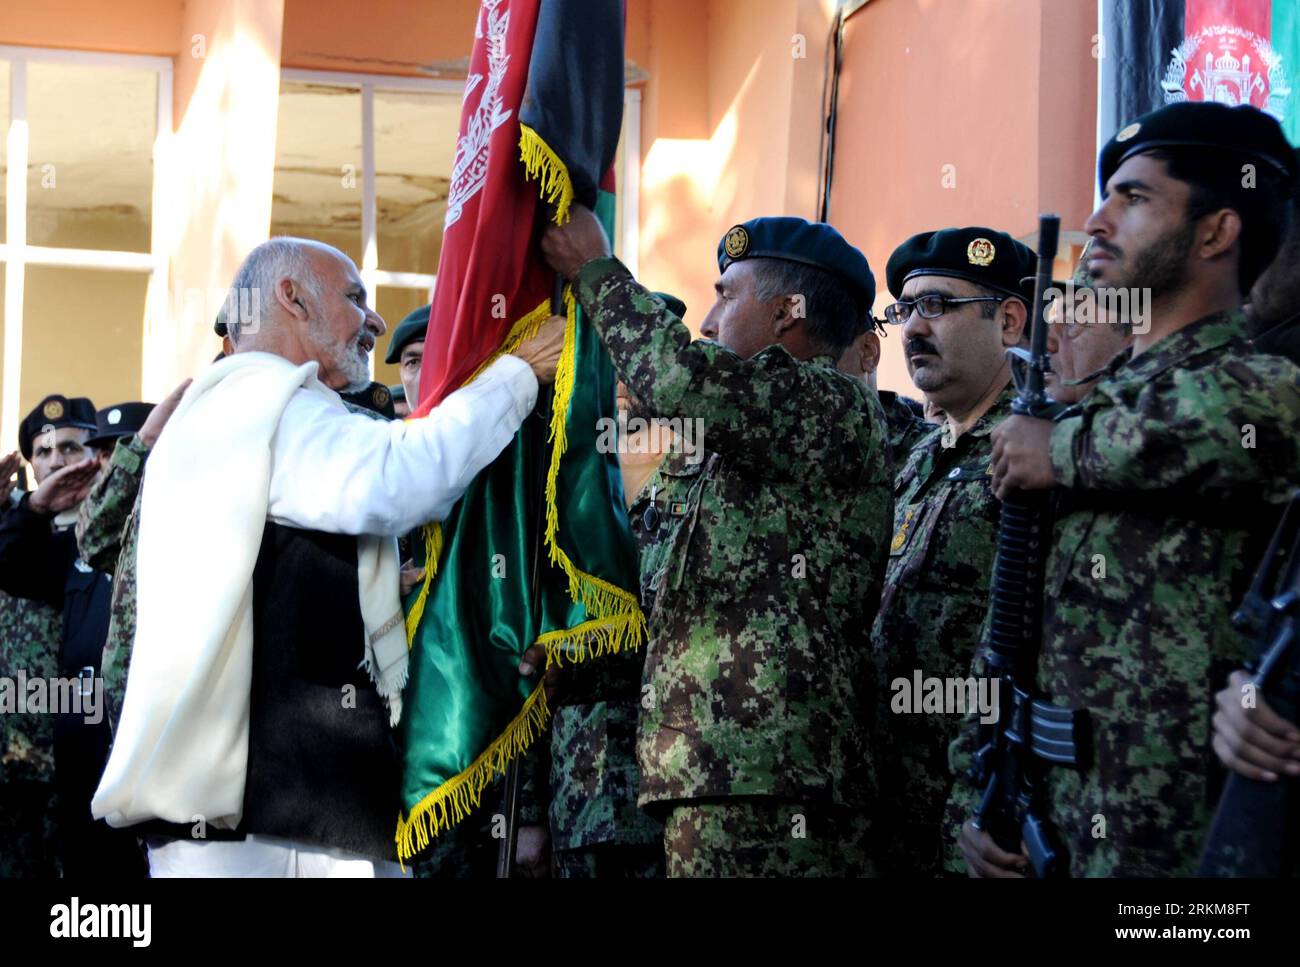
[(629, 181), (16, 254)]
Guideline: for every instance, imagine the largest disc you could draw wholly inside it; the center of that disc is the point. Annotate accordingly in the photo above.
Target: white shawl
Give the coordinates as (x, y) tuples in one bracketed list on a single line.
[(182, 745)]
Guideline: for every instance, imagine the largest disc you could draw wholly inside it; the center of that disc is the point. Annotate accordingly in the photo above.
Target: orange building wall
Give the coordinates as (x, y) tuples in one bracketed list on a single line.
[(120, 26), (727, 130), (377, 36), (934, 132), (731, 120)]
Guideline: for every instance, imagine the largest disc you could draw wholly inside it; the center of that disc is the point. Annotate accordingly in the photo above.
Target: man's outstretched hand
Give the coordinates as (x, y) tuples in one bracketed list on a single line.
[(542, 352), (570, 246), (161, 413)]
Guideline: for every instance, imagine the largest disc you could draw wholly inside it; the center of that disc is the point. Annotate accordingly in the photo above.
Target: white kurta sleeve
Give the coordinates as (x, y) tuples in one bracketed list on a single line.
[(339, 472)]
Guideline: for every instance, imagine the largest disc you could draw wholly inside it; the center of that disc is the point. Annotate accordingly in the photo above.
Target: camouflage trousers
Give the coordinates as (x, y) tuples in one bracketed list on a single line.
[(764, 837), (28, 848), (610, 861)]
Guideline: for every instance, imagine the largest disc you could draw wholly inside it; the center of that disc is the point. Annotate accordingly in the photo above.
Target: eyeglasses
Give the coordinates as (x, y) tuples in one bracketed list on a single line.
[(931, 306)]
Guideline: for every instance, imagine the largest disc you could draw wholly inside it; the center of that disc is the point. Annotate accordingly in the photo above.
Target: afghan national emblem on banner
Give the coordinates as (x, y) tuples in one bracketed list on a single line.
[(1229, 65)]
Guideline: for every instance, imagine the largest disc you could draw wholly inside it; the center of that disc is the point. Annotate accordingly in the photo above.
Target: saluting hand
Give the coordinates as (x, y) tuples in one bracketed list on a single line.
[(9, 467), (65, 488), (1022, 455), (570, 246)]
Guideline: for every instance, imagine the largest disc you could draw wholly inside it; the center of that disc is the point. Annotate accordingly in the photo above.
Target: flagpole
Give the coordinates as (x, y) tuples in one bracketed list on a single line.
[(546, 399)]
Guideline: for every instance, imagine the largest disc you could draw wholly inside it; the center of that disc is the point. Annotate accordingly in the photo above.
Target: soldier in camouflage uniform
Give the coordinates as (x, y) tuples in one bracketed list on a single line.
[(754, 721), (1275, 299), (963, 304), (37, 821), (30, 632), (596, 827), (29, 639), (905, 418), (1172, 473), (108, 528)]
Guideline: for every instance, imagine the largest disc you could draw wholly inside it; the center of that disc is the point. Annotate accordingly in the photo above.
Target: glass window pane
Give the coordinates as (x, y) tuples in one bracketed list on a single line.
[(317, 188), (4, 144), (394, 304), (415, 141), (83, 333), (2, 320), (90, 166)]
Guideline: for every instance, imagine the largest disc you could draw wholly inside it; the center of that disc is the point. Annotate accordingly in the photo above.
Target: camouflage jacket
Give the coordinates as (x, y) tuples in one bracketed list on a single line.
[(932, 612), (907, 425), (30, 633), (103, 515), (107, 531), (1174, 471), (754, 682)]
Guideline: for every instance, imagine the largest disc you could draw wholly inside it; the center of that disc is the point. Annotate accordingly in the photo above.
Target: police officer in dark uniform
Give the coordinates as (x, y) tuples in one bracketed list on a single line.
[(39, 560)]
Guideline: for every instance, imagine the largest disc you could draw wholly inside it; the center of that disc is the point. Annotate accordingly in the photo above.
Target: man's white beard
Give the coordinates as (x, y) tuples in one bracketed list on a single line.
[(347, 360)]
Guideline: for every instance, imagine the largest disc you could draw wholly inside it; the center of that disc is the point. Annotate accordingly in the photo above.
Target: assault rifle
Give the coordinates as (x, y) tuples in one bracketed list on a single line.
[(1030, 733), (1256, 830)]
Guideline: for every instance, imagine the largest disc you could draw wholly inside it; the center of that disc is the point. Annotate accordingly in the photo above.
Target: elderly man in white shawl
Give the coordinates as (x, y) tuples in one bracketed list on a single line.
[(256, 733)]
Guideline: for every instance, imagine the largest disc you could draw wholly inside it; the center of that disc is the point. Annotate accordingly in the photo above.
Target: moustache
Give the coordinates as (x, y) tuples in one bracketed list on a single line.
[(1114, 251), (917, 347)]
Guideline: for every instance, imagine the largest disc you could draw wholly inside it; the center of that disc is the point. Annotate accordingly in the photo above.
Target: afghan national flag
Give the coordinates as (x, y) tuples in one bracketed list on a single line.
[(1157, 52), (539, 128)]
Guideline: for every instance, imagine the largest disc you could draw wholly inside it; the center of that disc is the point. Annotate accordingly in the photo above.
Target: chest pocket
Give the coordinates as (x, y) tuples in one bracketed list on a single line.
[(929, 554), (711, 546)]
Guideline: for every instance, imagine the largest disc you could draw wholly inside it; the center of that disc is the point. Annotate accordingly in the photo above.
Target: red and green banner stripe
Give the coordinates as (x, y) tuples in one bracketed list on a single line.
[(539, 128), (1155, 52)]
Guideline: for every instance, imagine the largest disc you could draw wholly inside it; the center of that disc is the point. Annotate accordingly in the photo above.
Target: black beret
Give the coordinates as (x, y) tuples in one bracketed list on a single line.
[(1244, 133), (981, 255), (54, 411), (122, 420), (798, 240), (376, 398), (675, 305), (409, 330)]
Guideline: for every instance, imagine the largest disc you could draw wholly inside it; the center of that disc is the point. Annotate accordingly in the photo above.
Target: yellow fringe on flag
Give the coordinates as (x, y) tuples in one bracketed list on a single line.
[(544, 165), (454, 799), (615, 619), (432, 551), (526, 328)]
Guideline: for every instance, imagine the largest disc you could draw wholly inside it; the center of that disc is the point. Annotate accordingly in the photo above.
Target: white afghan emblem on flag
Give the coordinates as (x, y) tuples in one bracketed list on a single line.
[(469, 169), (1228, 65)]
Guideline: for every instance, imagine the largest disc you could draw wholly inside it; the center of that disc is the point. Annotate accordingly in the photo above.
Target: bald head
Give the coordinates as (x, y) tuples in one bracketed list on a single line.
[(304, 300)]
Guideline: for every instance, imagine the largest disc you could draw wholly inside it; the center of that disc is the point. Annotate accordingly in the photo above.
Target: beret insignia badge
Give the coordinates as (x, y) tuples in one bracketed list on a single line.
[(980, 252), (1128, 132), (736, 242), (52, 410)]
